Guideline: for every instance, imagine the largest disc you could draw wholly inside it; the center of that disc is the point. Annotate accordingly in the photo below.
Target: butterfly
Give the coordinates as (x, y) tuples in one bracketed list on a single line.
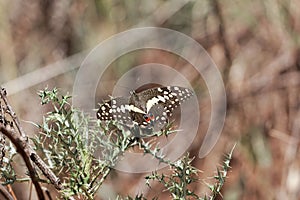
[(146, 109)]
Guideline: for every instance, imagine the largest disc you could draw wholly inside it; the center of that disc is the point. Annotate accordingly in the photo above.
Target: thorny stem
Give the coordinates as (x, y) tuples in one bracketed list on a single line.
[(13, 115), (20, 145), (25, 150)]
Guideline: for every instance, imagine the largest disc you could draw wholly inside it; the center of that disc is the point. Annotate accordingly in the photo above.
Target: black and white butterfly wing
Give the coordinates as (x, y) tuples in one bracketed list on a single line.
[(169, 97), (146, 108), (160, 102), (121, 110), (115, 109)]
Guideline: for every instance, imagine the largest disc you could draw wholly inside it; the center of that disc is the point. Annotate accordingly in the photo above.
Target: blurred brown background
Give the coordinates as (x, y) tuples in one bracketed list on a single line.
[(255, 44)]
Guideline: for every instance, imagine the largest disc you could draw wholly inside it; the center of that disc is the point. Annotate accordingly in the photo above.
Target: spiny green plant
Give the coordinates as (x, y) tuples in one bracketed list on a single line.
[(68, 141), (183, 175)]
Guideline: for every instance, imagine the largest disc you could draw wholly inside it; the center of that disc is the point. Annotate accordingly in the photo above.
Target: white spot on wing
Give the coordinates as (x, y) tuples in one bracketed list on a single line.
[(123, 108), (135, 109), (161, 98), (153, 101)]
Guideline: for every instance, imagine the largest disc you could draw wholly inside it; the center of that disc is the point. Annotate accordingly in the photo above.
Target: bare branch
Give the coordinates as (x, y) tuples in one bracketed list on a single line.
[(13, 115), (24, 149), (11, 192), (5, 193), (222, 31)]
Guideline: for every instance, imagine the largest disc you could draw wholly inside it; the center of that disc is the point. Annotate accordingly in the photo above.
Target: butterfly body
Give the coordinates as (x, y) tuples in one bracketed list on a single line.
[(145, 109)]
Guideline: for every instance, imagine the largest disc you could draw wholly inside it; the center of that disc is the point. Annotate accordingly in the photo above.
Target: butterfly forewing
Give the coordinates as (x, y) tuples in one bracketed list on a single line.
[(170, 97), (115, 109), (164, 100)]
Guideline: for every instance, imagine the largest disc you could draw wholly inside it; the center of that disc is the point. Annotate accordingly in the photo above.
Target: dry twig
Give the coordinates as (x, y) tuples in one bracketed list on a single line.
[(28, 154), (24, 150), (5, 193)]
